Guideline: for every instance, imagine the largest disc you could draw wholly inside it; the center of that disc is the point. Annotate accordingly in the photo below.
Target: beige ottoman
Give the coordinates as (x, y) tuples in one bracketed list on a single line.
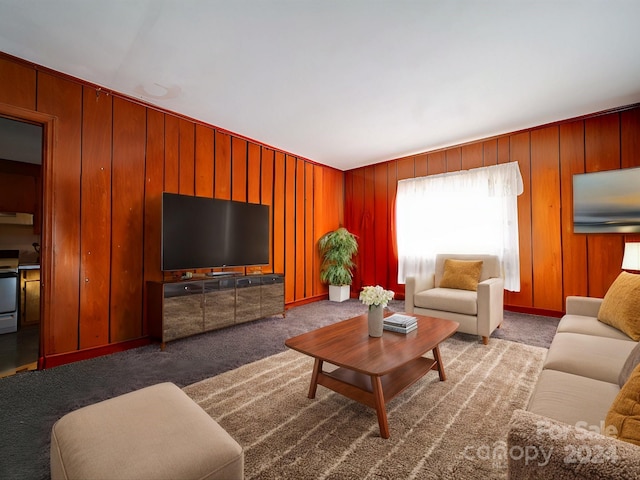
[(155, 433)]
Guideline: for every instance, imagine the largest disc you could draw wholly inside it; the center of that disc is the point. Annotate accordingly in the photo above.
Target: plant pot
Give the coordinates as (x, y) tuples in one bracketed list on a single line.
[(375, 318), (339, 293)]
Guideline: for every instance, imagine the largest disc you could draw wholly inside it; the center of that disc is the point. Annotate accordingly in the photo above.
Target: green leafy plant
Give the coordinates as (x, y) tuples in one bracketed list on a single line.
[(337, 249)]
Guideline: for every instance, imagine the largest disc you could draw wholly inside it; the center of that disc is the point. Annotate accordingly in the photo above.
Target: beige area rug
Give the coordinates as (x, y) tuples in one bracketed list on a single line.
[(452, 429)]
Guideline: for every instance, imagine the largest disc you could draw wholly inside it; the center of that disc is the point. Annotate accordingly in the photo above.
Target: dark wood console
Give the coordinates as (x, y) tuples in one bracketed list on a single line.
[(178, 309)]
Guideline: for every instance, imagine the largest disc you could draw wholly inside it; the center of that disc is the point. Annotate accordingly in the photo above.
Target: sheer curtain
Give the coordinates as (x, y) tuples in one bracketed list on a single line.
[(471, 211)]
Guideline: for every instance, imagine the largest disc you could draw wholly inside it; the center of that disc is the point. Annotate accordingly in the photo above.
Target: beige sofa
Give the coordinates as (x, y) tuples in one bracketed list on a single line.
[(478, 312), (560, 435)]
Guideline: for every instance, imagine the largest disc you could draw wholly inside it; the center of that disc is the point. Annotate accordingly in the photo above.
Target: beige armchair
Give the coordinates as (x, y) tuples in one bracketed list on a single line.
[(478, 312)]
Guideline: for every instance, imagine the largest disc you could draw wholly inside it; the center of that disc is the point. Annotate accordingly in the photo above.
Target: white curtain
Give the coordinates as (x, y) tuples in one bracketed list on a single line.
[(471, 211)]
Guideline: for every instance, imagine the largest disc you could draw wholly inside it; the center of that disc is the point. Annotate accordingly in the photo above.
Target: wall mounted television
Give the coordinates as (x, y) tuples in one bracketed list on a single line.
[(607, 202), (199, 232)]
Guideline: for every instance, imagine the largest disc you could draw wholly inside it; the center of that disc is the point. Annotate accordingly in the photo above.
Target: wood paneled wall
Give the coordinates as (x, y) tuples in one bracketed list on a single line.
[(554, 261), (112, 157)]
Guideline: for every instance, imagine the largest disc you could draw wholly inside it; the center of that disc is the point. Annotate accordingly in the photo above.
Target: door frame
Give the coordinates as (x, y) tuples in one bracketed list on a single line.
[(48, 123)]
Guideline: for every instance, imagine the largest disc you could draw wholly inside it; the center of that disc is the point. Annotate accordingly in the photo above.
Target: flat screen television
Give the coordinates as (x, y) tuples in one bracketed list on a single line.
[(607, 202), (199, 232)]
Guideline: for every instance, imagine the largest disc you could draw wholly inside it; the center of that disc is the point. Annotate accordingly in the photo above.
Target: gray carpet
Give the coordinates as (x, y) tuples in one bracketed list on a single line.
[(31, 402)]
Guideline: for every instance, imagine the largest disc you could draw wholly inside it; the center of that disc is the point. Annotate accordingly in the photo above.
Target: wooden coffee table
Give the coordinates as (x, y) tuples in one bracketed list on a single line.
[(372, 371)]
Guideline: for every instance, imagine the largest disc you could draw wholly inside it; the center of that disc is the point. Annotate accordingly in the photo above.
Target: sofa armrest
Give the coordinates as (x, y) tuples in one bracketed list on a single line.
[(539, 447), (414, 285), (490, 305), (584, 306)]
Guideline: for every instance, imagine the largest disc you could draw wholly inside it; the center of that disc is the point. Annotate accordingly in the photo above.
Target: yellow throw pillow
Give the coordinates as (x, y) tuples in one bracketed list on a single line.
[(461, 274), (621, 305), (623, 419)]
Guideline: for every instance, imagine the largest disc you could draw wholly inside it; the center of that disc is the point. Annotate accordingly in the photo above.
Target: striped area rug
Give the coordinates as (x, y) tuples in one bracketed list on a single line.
[(452, 429)]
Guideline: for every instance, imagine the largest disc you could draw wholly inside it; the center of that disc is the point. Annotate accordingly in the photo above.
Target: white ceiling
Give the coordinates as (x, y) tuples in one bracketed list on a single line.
[(345, 82)]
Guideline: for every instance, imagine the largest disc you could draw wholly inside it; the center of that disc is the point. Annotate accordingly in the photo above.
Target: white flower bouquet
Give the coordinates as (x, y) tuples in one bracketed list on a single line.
[(375, 296)]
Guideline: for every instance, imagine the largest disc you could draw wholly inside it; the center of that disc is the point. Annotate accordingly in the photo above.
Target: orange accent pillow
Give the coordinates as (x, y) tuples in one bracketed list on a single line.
[(621, 305), (624, 415), (461, 274)]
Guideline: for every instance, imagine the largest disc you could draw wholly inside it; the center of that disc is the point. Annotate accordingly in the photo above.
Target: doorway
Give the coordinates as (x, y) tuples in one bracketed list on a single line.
[(24, 138)]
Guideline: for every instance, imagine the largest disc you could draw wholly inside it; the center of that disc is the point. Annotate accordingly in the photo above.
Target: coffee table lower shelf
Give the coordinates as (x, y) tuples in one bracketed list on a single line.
[(372, 390)]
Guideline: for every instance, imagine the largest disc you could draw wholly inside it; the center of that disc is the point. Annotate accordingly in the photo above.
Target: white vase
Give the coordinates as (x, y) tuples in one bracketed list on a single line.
[(375, 317)]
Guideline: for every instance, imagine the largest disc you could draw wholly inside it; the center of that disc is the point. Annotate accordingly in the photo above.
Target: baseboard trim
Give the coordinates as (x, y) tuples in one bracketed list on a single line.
[(58, 359), (316, 298), (534, 311)]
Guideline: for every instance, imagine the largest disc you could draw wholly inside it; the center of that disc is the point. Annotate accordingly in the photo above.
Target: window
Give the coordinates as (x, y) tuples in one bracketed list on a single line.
[(471, 211)]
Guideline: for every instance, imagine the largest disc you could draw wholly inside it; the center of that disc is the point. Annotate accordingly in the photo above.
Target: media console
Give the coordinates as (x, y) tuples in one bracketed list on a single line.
[(180, 308)]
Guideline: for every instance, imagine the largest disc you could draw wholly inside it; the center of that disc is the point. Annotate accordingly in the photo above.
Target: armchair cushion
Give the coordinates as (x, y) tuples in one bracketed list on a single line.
[(461, 274), (448, 300)]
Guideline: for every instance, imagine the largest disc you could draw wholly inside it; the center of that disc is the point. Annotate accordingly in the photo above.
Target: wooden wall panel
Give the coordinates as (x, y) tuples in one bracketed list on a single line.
[(95, 221), (17, 84), (490, 152), (630, 138), (367, 231), (421, 163), (204, 158), (545, 219), (406, 168), (309, 232), (381, 222), (321, 226), (602, 152), (63, 99), (574, 246), (154, 175), (238, 169), (454, 160), (437, 163), (127, 220), (279, 213), (300, 222), (519, 145), (290, 228), (254, 173), (222, 184), (187, 164), (266, 198), (172, 154), (504, 148), (471, 156), (358, 212)]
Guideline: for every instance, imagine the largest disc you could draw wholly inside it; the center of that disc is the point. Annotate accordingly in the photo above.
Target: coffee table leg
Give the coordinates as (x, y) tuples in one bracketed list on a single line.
[(381, 409), (439, 364), (317, 368)]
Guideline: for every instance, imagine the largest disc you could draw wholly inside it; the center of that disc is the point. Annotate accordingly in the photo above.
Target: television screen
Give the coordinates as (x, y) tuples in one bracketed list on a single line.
[(607, 202), (199, 232)]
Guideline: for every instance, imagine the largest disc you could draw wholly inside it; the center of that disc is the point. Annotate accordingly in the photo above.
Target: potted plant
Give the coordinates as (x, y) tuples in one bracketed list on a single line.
[(337, 249)]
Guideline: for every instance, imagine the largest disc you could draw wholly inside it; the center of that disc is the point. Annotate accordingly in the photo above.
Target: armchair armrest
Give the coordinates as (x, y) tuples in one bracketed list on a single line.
[(585, 306), (490, 305), (414, 285), (539, 447)]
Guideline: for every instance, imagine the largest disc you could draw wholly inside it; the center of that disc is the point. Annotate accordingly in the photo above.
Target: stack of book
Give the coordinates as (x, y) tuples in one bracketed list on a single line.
[(401, 323)]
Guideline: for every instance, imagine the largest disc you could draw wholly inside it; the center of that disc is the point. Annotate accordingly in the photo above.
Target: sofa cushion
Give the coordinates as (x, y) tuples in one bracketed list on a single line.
[(589, 326), (448, 300), (621, 305), (629, 365), (624, 414), (589, 356), (461, 274), (572, 399)]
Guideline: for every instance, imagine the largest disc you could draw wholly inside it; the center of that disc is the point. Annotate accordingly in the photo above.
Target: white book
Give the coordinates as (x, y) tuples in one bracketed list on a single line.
[(400, 319), (396, 328)]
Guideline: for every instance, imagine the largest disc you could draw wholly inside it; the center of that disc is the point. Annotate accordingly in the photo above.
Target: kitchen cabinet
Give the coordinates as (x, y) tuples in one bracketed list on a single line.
[(29, 295)]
